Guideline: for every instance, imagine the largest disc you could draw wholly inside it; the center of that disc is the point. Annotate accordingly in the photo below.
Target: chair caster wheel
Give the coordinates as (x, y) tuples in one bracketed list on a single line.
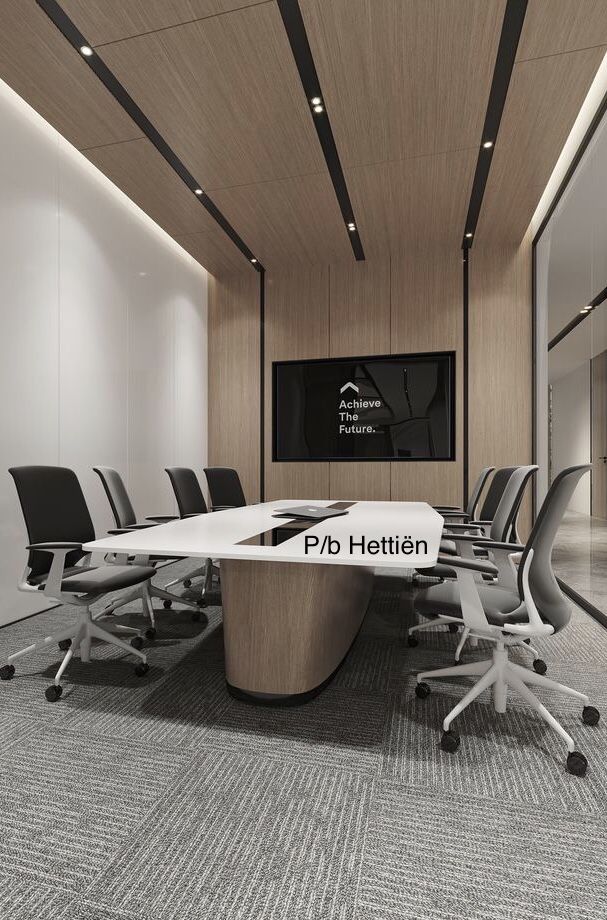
[(142, 668), (590, 715), (453, 627), (7, 671), (539, 666), (450, 741), (137, 642), (187, 583), (53, 693), (422, 690), (167, 604), (65, 644), (577, 763), (150, 634), (412, 641)]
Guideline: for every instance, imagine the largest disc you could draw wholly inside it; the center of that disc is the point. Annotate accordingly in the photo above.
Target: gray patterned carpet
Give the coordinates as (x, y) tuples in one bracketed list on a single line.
[(162, 798)]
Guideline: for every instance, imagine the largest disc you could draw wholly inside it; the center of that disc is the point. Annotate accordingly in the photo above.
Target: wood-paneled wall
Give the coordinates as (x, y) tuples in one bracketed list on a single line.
[(234, 333), (405, 303), (501, 361)]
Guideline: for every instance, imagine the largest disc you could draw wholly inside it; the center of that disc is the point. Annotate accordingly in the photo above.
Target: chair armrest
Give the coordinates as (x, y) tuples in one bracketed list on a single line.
[(450, 512), (470, 538), (448, 508), (473, 565), (462, 527), (52, 586), (162, 518), (193, 514), (222, 507), (117, 531), (509, 547)]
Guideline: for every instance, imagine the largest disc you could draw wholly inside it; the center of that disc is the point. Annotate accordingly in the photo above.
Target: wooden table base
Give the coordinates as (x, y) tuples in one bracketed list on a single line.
[(288, 625)]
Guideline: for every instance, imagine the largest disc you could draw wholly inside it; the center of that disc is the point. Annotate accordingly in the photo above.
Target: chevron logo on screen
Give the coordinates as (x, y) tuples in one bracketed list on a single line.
[(347, 418)]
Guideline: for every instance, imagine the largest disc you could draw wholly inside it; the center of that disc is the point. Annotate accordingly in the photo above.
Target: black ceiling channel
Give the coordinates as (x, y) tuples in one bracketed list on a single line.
[(300, 46), (579, 318), (77, 40), (512, 26)]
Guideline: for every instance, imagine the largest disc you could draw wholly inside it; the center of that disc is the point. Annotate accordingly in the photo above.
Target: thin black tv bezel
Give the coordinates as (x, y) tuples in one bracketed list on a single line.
[(348, 359)]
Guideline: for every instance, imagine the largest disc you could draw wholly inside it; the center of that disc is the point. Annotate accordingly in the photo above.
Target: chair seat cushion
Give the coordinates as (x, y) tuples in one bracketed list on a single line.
[(498, 603), (106, 578), (448, 546)]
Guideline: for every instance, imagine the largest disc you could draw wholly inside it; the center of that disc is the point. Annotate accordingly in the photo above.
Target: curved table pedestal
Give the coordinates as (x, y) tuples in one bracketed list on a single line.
[(288, 625)]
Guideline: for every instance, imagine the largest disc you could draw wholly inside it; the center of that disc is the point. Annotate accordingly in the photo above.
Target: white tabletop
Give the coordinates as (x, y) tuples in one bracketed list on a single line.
[(219, 535)]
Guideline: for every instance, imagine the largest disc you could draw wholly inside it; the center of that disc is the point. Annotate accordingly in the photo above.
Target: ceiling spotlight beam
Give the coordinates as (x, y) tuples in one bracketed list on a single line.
[(300, 46)]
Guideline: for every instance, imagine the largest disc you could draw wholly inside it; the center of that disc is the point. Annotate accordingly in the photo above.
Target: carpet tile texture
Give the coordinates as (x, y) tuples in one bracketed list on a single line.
[(164, 798)]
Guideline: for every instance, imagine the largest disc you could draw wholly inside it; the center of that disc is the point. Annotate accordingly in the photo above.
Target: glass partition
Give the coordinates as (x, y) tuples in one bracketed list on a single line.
[(571, 367)]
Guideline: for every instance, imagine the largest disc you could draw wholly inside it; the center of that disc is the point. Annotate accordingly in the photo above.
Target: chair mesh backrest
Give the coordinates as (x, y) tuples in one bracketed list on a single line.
[(188, 493), (475, 495), (120, 503), (224, 487), (510, 502), (54, 510), (546, 593), (494, 492)]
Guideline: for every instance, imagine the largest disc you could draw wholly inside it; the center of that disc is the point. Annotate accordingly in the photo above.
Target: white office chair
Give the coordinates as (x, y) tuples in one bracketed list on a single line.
[(533, 607), (466, 541)]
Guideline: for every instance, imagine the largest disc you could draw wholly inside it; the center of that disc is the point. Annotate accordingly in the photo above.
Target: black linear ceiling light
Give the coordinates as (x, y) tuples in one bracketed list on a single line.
[(512, 26), (298, 39), (65, 25)]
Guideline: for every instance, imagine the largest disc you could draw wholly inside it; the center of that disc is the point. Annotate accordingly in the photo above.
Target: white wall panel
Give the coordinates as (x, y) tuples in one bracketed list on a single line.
[(103, 349), (29, 346)]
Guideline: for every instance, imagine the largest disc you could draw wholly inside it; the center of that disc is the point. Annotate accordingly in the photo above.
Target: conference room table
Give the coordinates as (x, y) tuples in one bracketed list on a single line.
[(294, 593)]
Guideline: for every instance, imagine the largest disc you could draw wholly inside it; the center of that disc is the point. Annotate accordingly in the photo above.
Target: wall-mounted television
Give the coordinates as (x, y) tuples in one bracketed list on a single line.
[(381, 407)]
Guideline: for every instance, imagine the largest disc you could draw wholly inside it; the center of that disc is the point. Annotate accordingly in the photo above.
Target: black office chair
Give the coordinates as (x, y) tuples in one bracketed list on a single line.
[(188, 493), (58, 524), (126, 520), (508, 614), (225, 488), (191, 503)]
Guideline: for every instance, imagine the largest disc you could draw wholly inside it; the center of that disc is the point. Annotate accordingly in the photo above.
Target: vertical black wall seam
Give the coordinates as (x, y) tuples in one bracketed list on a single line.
[(591, 391), (466, 306), (533, 383), (262, 387), (390, 341)]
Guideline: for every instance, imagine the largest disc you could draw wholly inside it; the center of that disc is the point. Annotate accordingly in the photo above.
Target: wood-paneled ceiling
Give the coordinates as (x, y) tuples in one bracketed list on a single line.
[(405, 84)]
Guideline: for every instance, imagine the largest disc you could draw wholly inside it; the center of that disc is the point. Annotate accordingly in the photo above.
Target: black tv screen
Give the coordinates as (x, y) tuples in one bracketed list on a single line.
[(389, 407)]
